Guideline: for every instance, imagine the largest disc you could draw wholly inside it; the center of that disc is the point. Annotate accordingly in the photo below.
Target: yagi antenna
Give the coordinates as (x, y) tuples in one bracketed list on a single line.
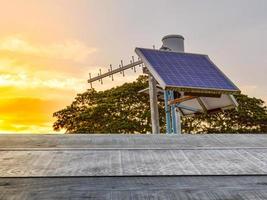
[(112, 71)]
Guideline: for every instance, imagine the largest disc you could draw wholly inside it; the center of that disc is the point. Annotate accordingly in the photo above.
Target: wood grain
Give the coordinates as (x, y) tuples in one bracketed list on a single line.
[(117, 141), (136, 188)]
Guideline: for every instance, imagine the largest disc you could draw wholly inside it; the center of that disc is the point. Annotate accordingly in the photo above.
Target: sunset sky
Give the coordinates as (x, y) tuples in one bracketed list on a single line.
[(48, 47)]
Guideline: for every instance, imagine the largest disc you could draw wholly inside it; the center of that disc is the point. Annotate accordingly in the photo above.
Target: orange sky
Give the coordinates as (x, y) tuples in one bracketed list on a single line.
[(36, 80), (48, 47)]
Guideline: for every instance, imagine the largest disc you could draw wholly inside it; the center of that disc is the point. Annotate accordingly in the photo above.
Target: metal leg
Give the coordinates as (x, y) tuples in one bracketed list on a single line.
[(178, 122), (167, 111), (154, 105), (174, 127)]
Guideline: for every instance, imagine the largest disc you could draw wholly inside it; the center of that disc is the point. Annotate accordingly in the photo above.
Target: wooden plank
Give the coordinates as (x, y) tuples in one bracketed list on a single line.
[(136, 188), (133, 162), (17, 142)]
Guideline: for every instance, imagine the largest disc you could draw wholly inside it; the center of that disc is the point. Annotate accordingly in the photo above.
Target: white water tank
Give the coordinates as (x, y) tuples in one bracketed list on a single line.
[(173, 43)]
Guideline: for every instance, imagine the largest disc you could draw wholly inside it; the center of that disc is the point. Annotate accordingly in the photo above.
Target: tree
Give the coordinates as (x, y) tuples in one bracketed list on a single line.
[(117, 110), (123, 110)]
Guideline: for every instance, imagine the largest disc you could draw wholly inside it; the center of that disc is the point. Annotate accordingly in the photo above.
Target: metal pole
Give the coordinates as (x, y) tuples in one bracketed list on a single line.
[(154, 105), (167, 111), (174, 127), (178, 122)]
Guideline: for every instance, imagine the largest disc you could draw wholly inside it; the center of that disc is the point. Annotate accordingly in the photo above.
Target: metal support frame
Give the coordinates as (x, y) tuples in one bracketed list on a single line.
[(173, 116), (154, 104)]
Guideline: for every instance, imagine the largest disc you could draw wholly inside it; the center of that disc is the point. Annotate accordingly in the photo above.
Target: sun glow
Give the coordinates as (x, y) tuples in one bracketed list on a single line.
[(37, 80)]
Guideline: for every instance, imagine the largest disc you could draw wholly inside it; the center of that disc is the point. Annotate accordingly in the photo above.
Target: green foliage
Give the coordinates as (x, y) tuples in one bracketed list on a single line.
[(117, 110), (124, 110)]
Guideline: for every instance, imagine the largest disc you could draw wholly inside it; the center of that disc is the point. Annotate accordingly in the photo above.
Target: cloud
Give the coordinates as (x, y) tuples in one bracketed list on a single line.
[(64, 95), (27, 65), (69, 49), (26, 80)]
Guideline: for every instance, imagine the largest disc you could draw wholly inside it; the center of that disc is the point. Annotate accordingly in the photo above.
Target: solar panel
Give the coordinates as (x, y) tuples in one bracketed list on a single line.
[(186, 72)]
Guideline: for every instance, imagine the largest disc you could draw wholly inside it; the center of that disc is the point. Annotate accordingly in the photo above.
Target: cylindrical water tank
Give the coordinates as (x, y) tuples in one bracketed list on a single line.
[(173, 43)]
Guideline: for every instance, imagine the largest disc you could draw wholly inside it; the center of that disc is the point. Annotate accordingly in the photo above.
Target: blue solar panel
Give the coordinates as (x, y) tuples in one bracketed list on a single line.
[(184, 70)]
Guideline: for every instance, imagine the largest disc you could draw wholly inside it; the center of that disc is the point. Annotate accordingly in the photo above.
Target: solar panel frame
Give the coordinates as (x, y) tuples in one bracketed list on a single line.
[(192, 87)]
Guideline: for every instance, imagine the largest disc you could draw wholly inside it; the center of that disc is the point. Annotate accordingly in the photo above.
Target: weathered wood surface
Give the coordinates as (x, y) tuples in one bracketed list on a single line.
[(132, 162), (133, 167), (218, 141), (136, 188)]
